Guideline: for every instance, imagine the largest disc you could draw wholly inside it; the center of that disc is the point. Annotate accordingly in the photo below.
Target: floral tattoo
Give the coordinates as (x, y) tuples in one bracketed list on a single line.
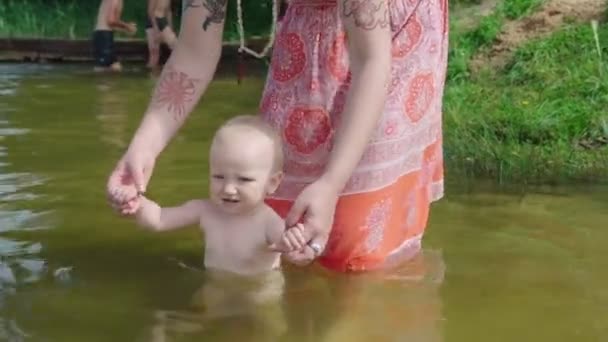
[(217, 12), (367, 14), (216, 8), (174, 92), (190, 4)]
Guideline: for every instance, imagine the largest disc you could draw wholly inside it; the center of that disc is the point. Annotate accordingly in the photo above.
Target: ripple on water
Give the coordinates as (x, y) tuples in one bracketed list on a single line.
[(23, 220), (7, 91), (19, 265), (13, 131), (13, 185), (15, 188)]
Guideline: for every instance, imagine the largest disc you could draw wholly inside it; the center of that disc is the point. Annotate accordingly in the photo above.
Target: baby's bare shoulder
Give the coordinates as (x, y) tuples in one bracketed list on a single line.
[(272, 216), (274, 225), (200, 207)]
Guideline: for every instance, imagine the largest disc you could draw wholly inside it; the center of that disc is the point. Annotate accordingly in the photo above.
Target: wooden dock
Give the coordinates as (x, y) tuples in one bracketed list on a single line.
[(80, 50)]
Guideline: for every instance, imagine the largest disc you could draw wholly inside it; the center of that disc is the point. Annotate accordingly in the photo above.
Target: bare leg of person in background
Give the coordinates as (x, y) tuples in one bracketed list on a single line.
[(167, 33), (153, 46)]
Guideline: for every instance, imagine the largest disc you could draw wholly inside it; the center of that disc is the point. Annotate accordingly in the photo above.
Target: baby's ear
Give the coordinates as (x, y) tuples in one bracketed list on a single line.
[(274, 182)]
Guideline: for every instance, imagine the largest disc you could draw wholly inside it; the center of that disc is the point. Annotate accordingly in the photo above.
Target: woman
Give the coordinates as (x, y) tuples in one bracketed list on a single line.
[(355, 88)]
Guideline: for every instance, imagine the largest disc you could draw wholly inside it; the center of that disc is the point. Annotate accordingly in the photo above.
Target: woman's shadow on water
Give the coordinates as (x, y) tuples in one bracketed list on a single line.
[(312, 305)]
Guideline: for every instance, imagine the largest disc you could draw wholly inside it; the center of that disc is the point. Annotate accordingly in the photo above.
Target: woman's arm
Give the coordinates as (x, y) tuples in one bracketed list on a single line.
[(185, 77), (152, 216), (366, 23)]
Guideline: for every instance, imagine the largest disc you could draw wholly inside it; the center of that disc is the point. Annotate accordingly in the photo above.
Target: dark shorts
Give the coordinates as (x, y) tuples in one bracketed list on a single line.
[(160, 22), (103, 48)]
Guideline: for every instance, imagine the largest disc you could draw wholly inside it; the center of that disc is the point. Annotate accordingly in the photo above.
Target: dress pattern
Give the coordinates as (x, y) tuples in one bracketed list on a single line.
[(383, 210)]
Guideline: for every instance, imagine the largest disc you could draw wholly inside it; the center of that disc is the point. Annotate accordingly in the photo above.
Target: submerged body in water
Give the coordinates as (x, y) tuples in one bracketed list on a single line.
[(529, 258)]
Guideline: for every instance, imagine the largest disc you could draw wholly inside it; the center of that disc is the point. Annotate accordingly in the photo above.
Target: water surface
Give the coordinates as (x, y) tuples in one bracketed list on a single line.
[(498, 264)]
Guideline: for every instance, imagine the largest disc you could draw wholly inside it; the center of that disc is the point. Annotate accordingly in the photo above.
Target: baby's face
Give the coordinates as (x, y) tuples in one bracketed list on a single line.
[(241, 169)]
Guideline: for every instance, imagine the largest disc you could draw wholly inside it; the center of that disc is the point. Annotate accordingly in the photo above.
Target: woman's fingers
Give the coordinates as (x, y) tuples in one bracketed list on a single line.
[(125, 181), (301, 257)]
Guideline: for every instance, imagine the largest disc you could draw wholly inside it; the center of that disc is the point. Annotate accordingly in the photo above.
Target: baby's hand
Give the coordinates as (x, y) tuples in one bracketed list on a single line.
[(131, 207), (301, 257), (293, 238), (126, 202)]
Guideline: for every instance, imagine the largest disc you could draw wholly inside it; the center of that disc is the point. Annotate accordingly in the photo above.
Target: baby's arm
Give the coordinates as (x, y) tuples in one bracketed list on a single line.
[(274, 231), (151, 215), (284, 240), (291, 242)]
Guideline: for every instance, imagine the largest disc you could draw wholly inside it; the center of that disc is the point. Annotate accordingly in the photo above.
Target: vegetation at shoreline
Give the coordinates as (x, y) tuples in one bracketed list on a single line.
[(540, 118), (75, 19)]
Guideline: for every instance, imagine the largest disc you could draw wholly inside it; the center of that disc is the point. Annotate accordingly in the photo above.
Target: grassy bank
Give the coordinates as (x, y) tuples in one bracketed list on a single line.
[(76, 18), (464, 44), (542, 118)]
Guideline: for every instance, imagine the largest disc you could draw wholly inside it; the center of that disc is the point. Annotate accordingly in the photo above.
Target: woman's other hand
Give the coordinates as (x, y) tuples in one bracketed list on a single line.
[(301, 257), (314, 208)]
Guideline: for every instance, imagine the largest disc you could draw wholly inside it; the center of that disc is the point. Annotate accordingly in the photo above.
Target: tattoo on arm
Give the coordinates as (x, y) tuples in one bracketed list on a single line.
[(174, 92), (190, 4), (216, 8), (217, 12), (367, 14)]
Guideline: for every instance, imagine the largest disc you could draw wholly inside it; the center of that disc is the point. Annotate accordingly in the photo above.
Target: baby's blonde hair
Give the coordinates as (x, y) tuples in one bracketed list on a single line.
[(258, 124)]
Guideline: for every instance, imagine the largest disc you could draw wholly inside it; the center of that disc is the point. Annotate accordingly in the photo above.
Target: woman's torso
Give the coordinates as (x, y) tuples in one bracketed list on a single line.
[(309, 79)]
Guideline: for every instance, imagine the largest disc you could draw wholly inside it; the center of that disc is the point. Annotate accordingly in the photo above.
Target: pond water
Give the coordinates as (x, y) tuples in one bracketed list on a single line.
[(499, 264)]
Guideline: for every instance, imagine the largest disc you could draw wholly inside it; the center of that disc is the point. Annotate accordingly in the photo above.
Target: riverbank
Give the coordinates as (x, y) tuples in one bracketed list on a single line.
[(534, 110)]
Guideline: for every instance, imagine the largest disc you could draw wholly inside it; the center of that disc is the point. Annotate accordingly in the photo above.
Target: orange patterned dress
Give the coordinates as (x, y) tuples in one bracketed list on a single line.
[(383, 210)]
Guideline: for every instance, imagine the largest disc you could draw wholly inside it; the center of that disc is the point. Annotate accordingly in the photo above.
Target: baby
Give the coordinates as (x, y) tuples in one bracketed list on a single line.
[(246, 163)]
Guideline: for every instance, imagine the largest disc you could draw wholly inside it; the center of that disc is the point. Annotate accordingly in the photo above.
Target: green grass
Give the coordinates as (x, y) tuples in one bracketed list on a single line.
[(463, 45), (541, 119), (76, 18), (40, 18)]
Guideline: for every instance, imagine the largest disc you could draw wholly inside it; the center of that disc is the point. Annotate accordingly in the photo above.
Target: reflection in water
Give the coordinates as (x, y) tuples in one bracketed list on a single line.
[(397, 305), (226, 299), (111, 111), (528, 266), (20, 264)]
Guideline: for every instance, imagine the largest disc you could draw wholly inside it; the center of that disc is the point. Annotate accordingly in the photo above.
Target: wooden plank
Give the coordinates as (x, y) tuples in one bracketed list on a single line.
[(34, 49)]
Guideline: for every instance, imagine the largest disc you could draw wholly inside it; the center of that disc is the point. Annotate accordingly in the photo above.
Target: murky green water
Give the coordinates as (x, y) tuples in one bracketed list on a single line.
[(497, 266)]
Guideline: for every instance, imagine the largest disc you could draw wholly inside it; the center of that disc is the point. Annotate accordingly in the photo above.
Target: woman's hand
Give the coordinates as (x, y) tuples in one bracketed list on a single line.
[(315, 208), (301, 257), (129, 178)]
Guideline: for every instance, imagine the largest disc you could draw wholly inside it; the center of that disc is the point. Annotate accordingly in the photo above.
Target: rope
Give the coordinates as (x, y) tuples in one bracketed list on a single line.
[(242, 47)]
